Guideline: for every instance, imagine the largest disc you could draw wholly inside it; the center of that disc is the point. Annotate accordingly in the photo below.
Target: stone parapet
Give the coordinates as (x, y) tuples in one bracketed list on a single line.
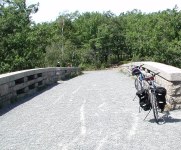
[(19, 84)]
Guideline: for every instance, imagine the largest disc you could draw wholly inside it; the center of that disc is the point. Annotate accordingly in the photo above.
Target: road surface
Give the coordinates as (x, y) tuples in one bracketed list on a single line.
[(93, 111)]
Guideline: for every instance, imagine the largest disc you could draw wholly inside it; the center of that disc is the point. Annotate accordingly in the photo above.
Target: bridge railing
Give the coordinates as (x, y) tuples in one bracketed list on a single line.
[(168, 77), (16, 85)]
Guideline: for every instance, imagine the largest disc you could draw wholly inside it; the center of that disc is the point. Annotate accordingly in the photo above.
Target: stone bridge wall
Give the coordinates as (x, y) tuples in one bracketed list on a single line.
[(16, 85), (168, 77)]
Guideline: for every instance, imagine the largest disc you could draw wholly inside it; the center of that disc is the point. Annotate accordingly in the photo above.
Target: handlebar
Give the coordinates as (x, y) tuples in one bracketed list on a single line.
[(151, 77), (138, 66)]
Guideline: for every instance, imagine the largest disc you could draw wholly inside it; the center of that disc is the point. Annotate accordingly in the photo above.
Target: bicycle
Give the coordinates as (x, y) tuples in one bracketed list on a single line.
[(153, 101), (147, 91)]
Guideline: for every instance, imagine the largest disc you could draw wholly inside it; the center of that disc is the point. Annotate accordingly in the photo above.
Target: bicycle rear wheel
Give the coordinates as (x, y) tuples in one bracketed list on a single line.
[(138, 84), (154, 107)]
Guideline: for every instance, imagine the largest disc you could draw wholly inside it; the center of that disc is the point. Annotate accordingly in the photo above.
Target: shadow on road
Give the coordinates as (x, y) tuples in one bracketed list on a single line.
[(167, 119), (171, 120), (9, 107)]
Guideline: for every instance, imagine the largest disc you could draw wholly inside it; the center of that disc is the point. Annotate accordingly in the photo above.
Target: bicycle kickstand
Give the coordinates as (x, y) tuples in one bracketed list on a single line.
[(134, 98), (147, 114)]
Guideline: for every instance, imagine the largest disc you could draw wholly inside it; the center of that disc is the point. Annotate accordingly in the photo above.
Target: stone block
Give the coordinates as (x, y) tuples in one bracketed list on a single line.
[(11, 84), (4, 89), (19, 86)]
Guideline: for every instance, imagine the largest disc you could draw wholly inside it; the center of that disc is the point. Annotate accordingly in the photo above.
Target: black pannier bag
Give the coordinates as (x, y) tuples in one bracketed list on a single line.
[(160, 97), (144, 99)]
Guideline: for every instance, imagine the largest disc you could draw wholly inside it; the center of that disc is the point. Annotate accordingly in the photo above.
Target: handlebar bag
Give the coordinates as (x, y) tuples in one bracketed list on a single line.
[(136, 71)]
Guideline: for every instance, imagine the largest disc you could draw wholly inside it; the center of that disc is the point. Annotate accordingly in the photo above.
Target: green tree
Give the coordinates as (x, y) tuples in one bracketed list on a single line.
[(14, 25)]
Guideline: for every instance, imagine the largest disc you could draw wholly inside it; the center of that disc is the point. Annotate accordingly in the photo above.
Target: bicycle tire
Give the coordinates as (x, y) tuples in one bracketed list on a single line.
[(154, 107), (138, 84)]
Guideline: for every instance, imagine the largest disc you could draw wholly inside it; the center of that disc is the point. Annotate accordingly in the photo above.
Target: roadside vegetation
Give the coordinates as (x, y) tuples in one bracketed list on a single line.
[(89, 40)]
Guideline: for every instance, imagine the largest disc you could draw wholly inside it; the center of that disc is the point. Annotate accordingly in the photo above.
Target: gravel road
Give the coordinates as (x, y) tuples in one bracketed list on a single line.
[(93, 111)]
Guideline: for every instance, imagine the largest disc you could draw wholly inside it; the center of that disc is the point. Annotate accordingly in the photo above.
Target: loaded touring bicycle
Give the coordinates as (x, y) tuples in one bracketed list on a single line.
[(151, 96)]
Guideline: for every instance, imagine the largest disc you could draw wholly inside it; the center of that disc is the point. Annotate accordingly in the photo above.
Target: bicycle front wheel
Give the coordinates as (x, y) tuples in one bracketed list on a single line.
[(138, 84), (154, 107)]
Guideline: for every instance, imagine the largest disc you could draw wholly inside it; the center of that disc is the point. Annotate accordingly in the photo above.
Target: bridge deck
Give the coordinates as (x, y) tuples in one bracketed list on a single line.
[(92, 111)]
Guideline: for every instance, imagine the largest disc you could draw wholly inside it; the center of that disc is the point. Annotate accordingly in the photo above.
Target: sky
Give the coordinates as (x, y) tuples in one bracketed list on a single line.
[(49, 10)]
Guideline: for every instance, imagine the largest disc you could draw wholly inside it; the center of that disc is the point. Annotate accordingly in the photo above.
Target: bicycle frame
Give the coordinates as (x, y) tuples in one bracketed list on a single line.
[(152, 97), (139, 82)]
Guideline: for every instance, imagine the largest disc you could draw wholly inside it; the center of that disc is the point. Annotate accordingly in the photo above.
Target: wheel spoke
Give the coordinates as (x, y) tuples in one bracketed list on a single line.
[(154, 107)]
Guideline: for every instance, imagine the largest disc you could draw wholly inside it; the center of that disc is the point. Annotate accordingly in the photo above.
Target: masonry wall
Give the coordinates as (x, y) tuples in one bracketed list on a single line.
[(16, 85)]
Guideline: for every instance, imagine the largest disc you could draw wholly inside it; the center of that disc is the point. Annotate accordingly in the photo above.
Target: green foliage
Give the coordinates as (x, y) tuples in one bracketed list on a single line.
[(90, 40), (16, 52)]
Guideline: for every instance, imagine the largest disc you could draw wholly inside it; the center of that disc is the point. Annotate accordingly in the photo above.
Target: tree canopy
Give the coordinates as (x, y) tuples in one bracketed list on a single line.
[(89, 40)]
